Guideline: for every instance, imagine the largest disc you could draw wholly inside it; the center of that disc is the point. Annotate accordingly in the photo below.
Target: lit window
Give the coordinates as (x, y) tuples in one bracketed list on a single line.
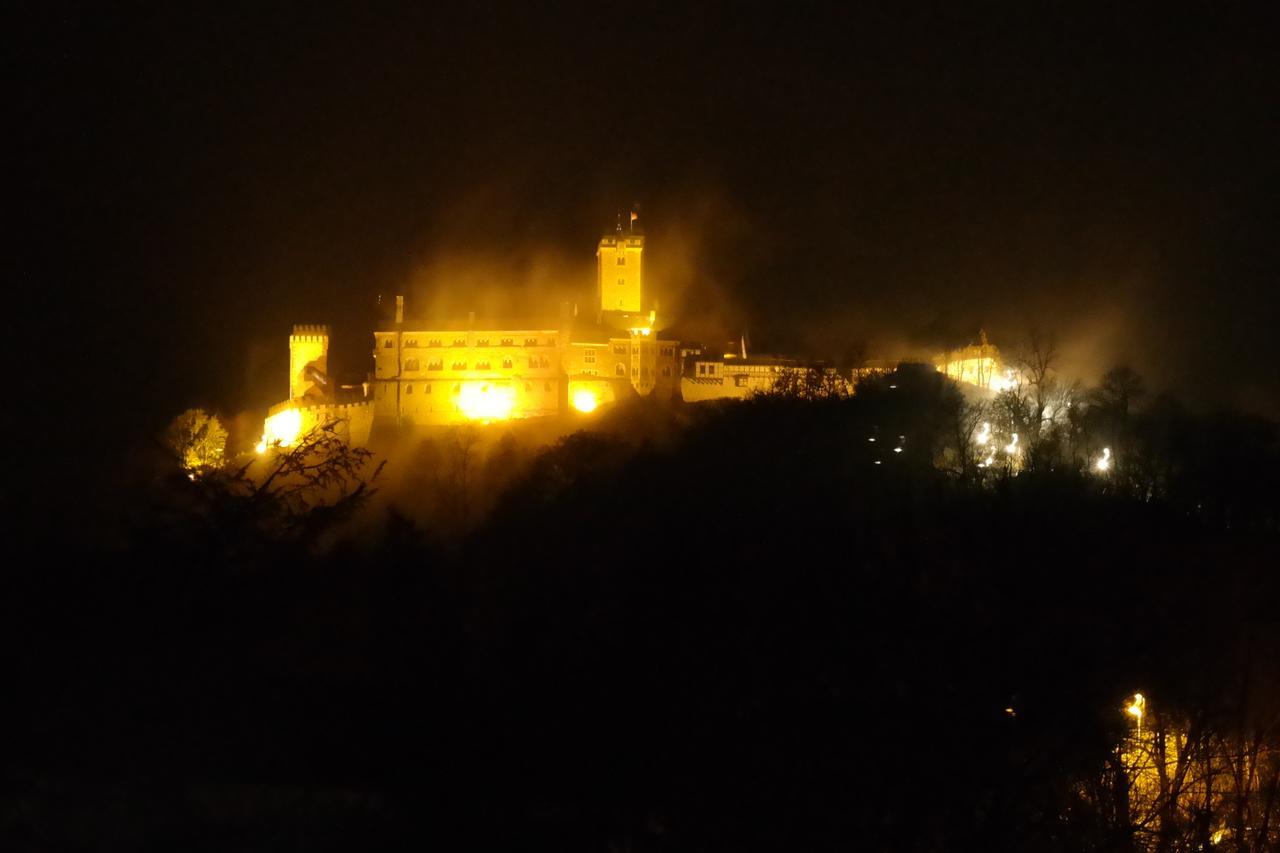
[(482, 342), (459, 342), (436, 364), (482, 365), (506, 364), (459, 365), (589, 356), (388, 344), (413, 342), (411, 365), (619, 349), (434, 342), (531, 342), (506, 342), (740, 380)]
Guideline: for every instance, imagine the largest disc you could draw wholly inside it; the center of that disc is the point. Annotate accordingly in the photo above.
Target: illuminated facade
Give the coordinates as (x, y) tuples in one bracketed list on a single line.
[(454, 371), (977, 364)]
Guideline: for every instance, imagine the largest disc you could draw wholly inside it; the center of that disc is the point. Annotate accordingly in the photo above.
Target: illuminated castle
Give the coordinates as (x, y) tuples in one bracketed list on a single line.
[(451, 371), (430, 373)]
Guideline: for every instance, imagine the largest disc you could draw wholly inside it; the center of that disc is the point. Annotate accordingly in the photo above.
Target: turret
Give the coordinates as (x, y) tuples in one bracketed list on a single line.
[(309, 362)]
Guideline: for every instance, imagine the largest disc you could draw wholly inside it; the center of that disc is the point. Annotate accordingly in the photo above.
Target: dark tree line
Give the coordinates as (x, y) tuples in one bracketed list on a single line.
[(781, 624)]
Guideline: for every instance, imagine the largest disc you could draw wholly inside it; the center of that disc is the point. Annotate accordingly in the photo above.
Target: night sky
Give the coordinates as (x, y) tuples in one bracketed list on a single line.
[(194, 182)]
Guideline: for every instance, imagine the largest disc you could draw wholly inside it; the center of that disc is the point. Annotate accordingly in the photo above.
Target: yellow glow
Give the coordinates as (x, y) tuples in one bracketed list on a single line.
[(984, 435), (1005, 381), (1218, 836), (1137, 707), (1103, 464), (585, 400), (281, 429), (485, 401), (1012, 446)]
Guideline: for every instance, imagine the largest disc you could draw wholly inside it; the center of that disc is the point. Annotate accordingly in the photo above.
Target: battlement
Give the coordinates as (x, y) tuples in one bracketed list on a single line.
[(309, 333)]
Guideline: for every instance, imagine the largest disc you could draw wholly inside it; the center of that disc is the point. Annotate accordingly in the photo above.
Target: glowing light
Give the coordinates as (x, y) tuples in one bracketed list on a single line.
[(585, 400), (484, 401), (281, 430), (1137, 707), (1005, 382), (1103, 465), (897, 450), (1012, 446), (1218, 836), (983, 436), (1011, 712)]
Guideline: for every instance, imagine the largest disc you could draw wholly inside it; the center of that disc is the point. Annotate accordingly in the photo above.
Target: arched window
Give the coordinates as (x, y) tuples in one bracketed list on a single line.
[(408, 389), (619, 369), (411, 365), (388, 344)]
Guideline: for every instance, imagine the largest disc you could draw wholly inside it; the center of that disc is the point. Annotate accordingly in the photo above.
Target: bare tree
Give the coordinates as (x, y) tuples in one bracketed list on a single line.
[(1036, 359)]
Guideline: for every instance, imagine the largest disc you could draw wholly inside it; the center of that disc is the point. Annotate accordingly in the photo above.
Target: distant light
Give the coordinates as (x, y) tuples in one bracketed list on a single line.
[(897, 450), (1103, 465), (1137, 707), (1011, 712), (893, 386), (877, 461), (984, 435), (871, 440)]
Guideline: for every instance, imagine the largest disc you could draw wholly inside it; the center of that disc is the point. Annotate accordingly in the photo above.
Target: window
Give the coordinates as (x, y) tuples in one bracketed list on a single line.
[(412, 342), (459, 365), (621, 370), (408, 389), (635, 372), (622, 262), (667, 351), (531, 342), (434, 342), (435, 364), (459, 342), (506, 364), (506, 342), (622, 281), (411, 365), (482, 365), (619, 349), (702, 369), (740, 380), (426, 389), (482, 342), (588, 356), (388, 344)]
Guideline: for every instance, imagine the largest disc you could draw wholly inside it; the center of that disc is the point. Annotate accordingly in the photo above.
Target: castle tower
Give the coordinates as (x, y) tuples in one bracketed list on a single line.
[(309, 362), (619, 259)]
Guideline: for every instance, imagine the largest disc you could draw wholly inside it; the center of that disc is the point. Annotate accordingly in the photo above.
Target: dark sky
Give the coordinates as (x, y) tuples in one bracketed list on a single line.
[(197, 181)]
